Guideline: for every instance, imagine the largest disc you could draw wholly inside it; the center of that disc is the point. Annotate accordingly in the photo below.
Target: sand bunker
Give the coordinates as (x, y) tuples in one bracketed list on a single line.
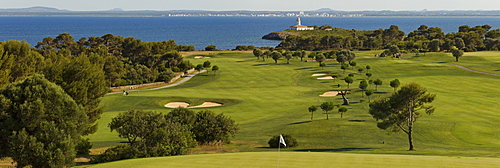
[(176, 104), (326, 77), (199, 57), (330, 94), (319, 74), (186, 105), (207, 104)]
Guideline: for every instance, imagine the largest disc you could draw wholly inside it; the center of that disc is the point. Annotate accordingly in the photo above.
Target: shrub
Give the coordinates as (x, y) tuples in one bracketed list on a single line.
[(289, 140), (119, 152), (83, 147)]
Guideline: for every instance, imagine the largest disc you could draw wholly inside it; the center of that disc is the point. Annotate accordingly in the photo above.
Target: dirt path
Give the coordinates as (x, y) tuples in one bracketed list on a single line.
[(459, 66), (185, 79), (471, 70)]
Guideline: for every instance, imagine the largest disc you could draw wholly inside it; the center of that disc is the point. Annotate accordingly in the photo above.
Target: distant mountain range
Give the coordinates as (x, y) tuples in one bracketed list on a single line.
[(323, 12)]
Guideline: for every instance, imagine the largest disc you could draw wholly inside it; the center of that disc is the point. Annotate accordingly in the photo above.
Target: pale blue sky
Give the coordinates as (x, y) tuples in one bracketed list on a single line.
[(267, 5)]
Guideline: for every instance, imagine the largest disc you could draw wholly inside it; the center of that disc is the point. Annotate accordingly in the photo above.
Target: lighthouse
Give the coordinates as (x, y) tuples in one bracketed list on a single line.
[(299, 26)]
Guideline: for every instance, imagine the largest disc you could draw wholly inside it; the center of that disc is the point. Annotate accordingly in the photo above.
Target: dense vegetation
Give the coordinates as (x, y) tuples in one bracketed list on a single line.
[(152, 134), (85, 69), (41, 124), (478, 38)]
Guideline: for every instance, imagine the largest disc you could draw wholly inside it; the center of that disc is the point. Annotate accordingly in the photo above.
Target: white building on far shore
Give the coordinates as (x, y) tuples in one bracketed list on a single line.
[(299, 26)]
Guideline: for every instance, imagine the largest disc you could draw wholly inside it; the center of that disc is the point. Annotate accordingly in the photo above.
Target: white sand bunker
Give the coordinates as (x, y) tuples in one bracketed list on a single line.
[(186, 105), (330, 94), (326, 77), (199, 57), (177, 105), (319, 74)]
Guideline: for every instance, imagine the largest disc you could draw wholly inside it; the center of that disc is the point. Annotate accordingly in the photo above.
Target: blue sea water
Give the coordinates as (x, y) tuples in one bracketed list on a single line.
[(224, 32)]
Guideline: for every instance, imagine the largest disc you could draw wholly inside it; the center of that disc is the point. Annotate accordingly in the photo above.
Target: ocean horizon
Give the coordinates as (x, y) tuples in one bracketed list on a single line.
[(224, 32)]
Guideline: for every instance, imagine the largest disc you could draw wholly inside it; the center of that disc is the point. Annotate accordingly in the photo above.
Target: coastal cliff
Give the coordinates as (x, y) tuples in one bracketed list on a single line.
[(275, 36)]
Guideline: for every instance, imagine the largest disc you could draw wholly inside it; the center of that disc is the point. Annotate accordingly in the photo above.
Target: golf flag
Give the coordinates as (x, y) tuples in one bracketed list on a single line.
[(282, 141)]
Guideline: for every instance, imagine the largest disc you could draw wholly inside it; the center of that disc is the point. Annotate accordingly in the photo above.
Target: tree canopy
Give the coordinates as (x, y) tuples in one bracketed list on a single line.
[(399, 111), (41, 124)]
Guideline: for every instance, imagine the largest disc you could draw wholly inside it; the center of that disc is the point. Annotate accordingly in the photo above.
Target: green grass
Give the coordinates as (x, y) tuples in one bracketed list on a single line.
[(268, 99), (303, 159)]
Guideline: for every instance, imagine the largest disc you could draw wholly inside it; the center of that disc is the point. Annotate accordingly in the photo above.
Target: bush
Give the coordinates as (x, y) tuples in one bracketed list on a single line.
[(211, 48), (83, 147), (116, 153), (289, 140)]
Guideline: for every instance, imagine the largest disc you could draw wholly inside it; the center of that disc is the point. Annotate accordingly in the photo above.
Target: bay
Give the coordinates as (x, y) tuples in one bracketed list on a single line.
[(224, 32)]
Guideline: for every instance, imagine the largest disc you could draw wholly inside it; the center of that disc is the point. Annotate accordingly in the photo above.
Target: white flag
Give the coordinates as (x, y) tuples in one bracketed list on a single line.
[(282, 141)]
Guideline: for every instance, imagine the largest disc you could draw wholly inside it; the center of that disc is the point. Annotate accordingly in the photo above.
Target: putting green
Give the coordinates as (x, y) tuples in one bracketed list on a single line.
[(302, 159)]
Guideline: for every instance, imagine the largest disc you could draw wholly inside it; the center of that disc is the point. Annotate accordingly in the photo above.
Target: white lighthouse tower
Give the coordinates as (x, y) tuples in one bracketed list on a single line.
[(299, 26)]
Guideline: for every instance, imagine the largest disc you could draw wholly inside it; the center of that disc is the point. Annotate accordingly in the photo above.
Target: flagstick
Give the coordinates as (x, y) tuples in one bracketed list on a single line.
[(279, 145)]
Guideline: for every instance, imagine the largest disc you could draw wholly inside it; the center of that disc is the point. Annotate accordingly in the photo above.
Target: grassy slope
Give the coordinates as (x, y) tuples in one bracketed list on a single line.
[(267, 99), (303, 159)]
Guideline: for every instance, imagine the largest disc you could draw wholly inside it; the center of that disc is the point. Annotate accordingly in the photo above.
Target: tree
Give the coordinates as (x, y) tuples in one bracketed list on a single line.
[(435, 45), (348, 80), (400, 110), (84, 81), (211, 48), (363, 85), (326, 107), (276, 56), (368, 93), (149, 134), (183, 116), (377, 82), (457, 53), (360, 70), (368, 67), (288, 56), (345, 55), (41, 123), (199, 67), (312, 109), (368, 74), (343, 93), (342, 110), (298, 54), (211, 128), (459, 43), (344, 67), (215, 68), (257, 52), (266, 54), (302, 55), (393, 49), (353, 64), (395, 84), (320, 58), (206, 64)]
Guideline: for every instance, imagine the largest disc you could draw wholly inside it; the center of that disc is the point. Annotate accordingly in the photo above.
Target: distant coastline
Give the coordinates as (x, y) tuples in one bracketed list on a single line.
[(324, 12)]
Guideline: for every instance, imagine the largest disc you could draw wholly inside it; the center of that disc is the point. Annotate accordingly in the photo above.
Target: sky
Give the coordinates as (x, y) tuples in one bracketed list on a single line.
[(256, 5)]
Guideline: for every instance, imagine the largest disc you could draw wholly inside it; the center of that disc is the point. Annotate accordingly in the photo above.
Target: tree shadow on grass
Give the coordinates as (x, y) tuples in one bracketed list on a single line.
[(304, 68), (334, 150), (302, 122), (357, 120), (259, 64)]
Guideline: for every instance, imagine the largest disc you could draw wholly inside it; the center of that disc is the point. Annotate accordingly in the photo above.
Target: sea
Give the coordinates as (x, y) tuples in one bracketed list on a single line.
[(224, 32)]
